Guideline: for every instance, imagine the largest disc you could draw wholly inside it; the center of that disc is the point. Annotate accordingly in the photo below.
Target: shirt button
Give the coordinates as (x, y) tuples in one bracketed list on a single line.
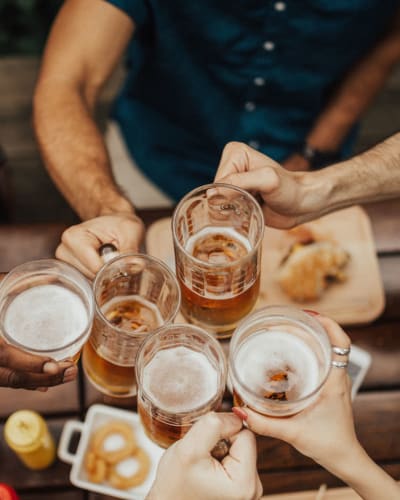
[(254, 144), (259, 81), (249, 106), (280, 6), (268, 45)]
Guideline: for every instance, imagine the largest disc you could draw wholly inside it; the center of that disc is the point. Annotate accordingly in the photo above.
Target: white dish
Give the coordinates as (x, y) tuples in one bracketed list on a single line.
[(97, 416)]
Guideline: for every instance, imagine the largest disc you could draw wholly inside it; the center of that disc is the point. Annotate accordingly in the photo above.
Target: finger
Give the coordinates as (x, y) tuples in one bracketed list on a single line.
[(28, 380), (129, 235), (66, 255), (83, 244), (263, 180), (335, 333), (16, 359), (239, 157), (242, 457), (267, 426), (208, 430)]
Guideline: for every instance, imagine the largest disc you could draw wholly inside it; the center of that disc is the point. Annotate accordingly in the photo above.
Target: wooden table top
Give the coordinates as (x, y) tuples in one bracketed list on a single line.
[(282, 469)]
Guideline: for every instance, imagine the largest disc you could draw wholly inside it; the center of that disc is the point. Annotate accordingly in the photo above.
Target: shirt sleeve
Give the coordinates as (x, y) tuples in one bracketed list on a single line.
[(136, 9)]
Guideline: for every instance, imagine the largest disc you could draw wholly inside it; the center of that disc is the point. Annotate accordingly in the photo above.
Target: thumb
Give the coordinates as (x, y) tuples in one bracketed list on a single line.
[(263, 180), (242, 457), (208, 430)]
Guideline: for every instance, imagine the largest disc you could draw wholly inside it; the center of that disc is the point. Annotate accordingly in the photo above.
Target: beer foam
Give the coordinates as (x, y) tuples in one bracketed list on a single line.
[(180, 379), (46, 317), (227, 231), (150, 313), (266, 353)]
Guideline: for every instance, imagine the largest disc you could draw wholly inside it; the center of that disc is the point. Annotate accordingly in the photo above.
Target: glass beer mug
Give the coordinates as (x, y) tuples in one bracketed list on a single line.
[(134, 294), (218, 231), (46, 308), (181, 372), (279, 360)]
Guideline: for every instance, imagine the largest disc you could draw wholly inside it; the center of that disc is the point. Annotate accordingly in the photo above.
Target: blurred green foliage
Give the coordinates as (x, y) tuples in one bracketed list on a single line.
[(24, 25)]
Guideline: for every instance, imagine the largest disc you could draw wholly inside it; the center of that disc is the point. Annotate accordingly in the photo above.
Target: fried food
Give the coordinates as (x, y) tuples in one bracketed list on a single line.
[(309, 268), (96, 468), (118, 428), (104, 465), (122, 481)]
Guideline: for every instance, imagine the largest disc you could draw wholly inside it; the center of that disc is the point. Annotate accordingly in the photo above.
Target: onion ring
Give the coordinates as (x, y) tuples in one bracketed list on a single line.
[(123, 482), (96, 468), (114, 427)]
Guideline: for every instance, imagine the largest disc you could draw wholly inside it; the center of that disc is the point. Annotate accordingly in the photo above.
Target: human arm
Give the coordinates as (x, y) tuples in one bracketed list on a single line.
[(187, 469), (21, 370), (352, 97), (325, 431), (291, 198), (85, 43)]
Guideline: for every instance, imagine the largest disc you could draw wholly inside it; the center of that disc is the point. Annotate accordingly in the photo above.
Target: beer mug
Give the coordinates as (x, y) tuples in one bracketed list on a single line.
[(181, 372), (217, 231), (46, 308), (279, 360), (134, 294)]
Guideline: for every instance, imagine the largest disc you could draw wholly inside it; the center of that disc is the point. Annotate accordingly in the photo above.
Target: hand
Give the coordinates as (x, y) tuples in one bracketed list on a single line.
[(21, 370), (290, 198), (79, 244), (296, 163), (325, 430), (187, 470)]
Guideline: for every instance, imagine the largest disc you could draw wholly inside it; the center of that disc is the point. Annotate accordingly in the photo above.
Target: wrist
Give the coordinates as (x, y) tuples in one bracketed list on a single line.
[(118, 204), (318, 157)]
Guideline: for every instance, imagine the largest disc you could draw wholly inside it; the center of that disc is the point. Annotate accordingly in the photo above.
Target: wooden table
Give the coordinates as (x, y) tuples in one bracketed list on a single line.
[(282, 469)]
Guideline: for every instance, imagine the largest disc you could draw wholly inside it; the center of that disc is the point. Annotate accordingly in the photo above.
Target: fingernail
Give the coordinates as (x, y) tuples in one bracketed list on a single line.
[(50, 367), (239, 412), (42, 389), (312, 313), (70, 374)]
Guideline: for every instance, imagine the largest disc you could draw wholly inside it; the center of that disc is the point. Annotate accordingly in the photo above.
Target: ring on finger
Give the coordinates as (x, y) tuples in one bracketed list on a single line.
[(341, 351), (339, 364)]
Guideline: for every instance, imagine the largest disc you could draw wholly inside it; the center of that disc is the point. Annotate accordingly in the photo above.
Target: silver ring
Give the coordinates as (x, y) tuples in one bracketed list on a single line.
[(341, 351), (339, 364)]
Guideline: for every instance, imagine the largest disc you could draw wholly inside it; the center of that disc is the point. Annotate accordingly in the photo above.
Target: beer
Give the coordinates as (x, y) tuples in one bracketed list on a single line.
[(46, 318), (113, 371), (135, 294), (176, 381), (279, 360), (181, 371), (219, 297), (277, 366)]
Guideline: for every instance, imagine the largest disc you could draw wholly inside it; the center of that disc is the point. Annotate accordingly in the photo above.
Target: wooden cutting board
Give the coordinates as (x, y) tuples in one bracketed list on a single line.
[(360, 299)]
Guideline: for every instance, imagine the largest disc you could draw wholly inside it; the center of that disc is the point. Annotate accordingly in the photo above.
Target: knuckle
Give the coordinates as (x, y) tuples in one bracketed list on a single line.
[(69, 235), (233, 146), (212, 422), (18, 380)]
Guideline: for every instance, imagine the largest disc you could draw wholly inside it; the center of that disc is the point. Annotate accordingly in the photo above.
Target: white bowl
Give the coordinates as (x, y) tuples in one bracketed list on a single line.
[(97, 416)]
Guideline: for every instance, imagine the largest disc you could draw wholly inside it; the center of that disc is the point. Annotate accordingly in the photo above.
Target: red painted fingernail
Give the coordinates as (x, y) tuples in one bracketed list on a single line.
[(313, 313), (239, 412)]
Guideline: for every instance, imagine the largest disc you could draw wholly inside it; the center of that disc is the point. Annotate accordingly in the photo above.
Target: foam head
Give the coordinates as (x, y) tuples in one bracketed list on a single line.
[(179, 379), (46, 317), (278, 365), (218, 245)]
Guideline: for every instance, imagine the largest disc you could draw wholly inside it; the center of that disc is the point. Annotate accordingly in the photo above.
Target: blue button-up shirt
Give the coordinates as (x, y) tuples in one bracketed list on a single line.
[(203, 73)]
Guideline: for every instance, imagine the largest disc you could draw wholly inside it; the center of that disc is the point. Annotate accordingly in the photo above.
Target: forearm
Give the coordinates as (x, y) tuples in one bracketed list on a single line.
[(370, 176), (365, 477), (354, 95), (74, 151)]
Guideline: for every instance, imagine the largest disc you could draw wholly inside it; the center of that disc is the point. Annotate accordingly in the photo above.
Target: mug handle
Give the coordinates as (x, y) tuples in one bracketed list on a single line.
[(69, 429)]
